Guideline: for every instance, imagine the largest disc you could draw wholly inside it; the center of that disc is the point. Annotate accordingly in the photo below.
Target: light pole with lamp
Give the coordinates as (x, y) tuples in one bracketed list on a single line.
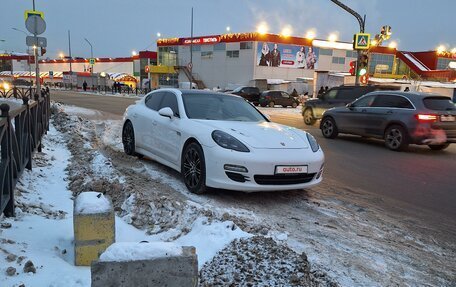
[(29, 59), (91, 57)]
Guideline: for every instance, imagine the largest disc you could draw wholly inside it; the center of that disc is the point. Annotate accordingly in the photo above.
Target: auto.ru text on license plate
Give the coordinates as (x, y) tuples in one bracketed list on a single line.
[(284, 169), (447, 118)]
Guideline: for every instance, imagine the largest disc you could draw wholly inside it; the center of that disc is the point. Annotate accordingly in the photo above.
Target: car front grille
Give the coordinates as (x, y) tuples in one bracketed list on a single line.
[(283, 179)]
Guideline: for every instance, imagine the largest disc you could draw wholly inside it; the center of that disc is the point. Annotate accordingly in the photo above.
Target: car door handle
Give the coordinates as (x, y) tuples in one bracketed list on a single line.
[(363, 110), (389, 112), (154, 123)]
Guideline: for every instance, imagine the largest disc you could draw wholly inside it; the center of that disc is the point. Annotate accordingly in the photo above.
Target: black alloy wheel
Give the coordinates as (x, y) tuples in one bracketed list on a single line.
[(308, 117), (396, 138), (329, 128), (194, 168), (128, 138)]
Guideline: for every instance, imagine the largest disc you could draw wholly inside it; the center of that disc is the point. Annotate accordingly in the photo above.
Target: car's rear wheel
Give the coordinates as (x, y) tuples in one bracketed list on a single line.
[(308, 117), (294, 105), (329, 128), (271, 104), (194, 168), (396, 138), (438, 147), (128, 138)]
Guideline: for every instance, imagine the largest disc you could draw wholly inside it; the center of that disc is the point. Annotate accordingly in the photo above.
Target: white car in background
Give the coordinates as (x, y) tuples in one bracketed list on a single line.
[(220, 141)]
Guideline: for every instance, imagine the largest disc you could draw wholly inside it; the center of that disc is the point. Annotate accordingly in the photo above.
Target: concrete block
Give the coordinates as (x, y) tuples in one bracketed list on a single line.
[(169, 271), (94, 227)]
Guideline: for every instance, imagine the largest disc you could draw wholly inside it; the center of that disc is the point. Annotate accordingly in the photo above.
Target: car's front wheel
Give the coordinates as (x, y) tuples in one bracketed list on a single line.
[(294, 105), (271, 104), (438, 147), (329, 128), (128, 138), (194, 168), (396, 138), (308, 117)]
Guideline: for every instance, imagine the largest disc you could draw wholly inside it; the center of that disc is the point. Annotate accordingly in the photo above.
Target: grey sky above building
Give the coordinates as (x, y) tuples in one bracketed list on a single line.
[(117, 27)]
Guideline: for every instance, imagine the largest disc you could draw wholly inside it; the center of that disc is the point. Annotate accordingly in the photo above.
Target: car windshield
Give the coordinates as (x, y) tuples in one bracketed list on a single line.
[(439, 104), (220, 107)]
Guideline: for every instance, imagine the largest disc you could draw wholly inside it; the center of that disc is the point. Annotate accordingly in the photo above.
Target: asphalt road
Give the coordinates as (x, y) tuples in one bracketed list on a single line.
[(420, 178)]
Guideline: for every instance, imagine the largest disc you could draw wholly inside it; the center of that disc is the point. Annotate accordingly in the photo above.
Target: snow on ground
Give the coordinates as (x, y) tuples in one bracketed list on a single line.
[(281, 111), (42, 232)]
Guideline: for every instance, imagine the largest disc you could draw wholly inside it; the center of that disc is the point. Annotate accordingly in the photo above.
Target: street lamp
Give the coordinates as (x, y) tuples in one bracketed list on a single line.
[(310, 34), (286, 31), (29, 60), (91, 57), (262, 28), (159, 34), (228, 28)]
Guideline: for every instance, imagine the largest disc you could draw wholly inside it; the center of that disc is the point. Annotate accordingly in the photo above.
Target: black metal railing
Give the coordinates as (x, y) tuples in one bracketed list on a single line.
[(22, 126)]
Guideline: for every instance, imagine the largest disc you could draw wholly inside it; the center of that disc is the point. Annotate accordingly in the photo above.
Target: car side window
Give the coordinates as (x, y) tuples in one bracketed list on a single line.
[(153, 100), (284, 95), (347, 95), (364, 102), (392, 101), (331, 95), (169, 100)]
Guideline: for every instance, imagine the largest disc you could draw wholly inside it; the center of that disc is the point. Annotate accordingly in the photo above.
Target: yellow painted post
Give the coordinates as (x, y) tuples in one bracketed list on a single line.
[(94, 227)]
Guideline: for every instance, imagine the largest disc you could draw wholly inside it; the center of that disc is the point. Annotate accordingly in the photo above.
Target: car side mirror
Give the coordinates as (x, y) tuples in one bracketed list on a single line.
[(166, 112), (350, 106)]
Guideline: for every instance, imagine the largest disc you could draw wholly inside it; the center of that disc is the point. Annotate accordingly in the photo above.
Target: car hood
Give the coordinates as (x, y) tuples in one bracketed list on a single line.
[(261, 135)]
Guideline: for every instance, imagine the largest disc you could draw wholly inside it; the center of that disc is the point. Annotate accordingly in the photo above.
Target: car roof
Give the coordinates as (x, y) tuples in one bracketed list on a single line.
[(410, 95), (184, 92)]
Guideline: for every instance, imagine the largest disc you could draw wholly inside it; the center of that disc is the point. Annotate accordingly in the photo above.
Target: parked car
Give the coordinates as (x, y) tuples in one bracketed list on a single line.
[(251, 94), (220, 141), (313, 109), (400, 118), (272, 98)]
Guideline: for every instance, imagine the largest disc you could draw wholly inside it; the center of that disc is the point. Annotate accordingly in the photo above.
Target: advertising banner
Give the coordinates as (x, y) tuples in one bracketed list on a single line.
[(287, 56)]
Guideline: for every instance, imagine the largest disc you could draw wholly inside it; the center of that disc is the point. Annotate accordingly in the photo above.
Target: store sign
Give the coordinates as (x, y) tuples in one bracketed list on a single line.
[(287, 56), (381, 67), (202, 40)]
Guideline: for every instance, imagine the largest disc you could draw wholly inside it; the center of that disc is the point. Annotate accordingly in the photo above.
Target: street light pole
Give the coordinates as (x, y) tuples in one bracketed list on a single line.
[(91, 66), (362, 22)]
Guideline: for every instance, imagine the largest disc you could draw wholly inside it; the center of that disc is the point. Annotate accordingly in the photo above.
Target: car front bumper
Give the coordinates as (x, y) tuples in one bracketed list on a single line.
[(261, 165)]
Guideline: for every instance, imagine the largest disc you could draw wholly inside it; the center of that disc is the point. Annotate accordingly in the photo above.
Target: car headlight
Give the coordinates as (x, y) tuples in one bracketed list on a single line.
[(313, 142), (228, 141)]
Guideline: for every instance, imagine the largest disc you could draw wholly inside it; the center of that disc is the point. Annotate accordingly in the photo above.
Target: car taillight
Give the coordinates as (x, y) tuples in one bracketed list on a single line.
[(426, 118)]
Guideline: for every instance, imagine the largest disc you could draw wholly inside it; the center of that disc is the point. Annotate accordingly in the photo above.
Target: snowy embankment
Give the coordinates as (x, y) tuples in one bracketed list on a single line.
[(36, 247)]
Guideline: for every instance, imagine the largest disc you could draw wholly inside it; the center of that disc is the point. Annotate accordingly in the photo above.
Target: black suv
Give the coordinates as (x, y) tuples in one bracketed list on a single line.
[(272, 98), (251, 94), (336, 97)]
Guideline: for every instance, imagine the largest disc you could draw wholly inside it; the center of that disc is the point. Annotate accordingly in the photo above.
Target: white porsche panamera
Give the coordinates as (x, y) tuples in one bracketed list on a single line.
[(220, 141)]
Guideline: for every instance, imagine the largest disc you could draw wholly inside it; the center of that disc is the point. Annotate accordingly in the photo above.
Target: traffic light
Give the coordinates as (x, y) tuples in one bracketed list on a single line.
[(43, 51), (352, 68), (363, 64), (386, 32)]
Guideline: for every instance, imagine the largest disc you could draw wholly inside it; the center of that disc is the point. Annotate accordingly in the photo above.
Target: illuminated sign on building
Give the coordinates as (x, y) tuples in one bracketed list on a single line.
[(202, 40)]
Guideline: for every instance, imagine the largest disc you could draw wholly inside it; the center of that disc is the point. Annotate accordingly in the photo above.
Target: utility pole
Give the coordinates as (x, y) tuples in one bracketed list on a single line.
[(69, 50), (91, 66), (362, 22), (191, 52), (37, 67)]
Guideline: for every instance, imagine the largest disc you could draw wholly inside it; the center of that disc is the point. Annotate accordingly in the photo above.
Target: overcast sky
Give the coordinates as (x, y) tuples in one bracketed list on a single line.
[(116, 27)]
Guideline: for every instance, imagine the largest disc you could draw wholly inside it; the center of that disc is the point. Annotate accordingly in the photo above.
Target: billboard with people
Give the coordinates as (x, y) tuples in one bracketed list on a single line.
[(287, 56)]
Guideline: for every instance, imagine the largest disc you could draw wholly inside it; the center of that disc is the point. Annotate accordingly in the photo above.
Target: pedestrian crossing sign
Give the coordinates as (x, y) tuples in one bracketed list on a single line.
[(361, 41), (92, 61)]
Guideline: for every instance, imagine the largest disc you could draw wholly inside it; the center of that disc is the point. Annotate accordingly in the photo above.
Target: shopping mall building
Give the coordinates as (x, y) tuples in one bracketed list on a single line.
[(243, 58)]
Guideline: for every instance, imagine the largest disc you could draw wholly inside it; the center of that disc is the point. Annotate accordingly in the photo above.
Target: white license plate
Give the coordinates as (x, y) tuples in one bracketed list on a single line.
[(444, 118), (284, 169)]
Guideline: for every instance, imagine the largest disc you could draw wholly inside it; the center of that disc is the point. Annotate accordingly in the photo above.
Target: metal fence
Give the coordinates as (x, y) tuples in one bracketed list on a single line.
[(22, 126)]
